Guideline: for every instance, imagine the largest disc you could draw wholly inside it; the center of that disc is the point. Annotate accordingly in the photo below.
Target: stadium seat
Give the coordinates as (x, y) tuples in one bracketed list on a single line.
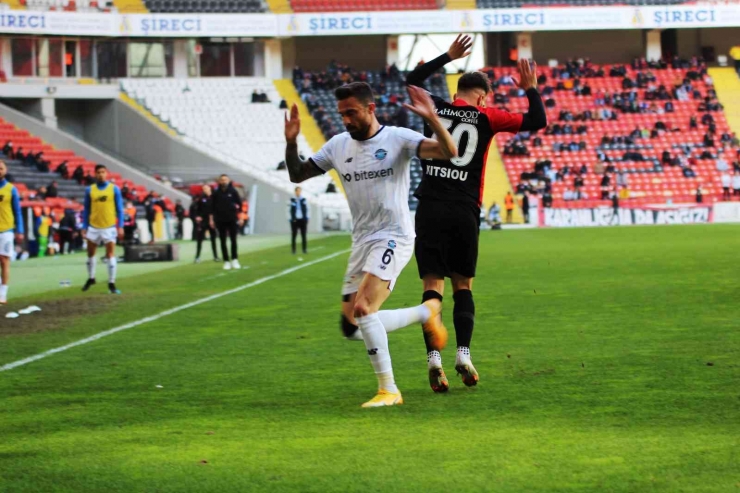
[(361, 5), (206, 6), (28, 179), (649, 181), (322, 103), (217, 116)]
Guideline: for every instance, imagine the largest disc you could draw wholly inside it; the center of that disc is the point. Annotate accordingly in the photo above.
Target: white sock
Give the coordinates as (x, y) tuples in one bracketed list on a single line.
[(403, 317), (91, 263), (463, 355), (376, 342), (3, 292), (434, 359), (112, 268)]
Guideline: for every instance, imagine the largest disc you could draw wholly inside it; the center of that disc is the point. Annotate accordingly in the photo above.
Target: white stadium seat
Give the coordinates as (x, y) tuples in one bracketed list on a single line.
[(217, 116)]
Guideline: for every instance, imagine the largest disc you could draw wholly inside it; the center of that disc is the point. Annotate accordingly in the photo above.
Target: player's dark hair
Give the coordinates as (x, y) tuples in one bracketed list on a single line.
[(359, 90), (224, 174), (474, 80), (98, 167)]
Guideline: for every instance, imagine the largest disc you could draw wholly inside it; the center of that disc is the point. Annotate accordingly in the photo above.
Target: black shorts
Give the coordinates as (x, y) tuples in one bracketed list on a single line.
[(447, 238)]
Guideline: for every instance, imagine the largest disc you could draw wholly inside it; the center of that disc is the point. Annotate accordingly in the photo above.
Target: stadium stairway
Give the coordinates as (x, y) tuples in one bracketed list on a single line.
[(461, 5), (131, 6), (15, 4), (496, 180), (128, 100), (280, 7), (77, 151), (309, 128), (727, 85)]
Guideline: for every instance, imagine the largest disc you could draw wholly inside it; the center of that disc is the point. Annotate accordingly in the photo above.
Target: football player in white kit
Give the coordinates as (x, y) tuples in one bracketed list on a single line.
[(373, 162)]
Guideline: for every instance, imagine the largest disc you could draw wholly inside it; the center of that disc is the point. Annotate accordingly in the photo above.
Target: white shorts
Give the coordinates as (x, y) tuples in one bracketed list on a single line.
[(385, 259), (102, 236), (7, 244)]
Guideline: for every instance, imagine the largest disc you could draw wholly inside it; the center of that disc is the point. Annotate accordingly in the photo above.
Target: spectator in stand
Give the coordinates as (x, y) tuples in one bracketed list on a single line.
[(180, 216), (699, 195), (622, 180), (79, 175), (569, 195), (578, 182), (52, 191), (8, 149), (63, 170), (736, 184), (726, 184), (89, 179), (605, 183), (509, 205), (708, 140), (721, 164), (41, 193)]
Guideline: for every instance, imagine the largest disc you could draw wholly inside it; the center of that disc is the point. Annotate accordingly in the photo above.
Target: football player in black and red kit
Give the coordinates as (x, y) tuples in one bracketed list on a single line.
[(450, 194)]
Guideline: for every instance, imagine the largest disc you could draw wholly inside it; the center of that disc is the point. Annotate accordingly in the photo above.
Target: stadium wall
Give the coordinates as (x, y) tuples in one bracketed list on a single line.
[(599, 46), (121, 131), (360, 52), (64, 140)]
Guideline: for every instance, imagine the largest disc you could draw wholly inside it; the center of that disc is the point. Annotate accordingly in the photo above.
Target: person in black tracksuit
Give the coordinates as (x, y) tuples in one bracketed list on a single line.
[(298, 218), (200, 212), (226, 206)]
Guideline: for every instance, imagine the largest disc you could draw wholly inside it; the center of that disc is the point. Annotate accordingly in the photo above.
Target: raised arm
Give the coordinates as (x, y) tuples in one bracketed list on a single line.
[(460, 48), (298, 169), (536, 117), (441, 148)]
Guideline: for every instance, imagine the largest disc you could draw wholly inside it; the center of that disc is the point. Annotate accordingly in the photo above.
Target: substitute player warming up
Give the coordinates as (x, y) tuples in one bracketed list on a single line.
[(450, 194), (373, 161), (11, 228), (102, 223)]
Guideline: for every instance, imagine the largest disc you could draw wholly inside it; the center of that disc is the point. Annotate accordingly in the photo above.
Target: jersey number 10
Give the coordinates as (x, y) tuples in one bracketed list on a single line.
[(457, 134)]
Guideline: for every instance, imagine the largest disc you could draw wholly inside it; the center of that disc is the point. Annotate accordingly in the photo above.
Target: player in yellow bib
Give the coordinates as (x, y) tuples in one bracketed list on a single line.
[(102, 224), (11, 228)]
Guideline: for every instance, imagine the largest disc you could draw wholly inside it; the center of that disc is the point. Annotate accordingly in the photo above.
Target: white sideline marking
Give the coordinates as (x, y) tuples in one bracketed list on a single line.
[(165, 313)]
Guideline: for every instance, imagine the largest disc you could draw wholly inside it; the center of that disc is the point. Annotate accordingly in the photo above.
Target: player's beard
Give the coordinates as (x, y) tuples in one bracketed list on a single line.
[(358, 133)]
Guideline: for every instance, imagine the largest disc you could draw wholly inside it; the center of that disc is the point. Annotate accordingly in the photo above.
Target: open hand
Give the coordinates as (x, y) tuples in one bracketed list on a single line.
[(460, 48), (292, 125), (527, 75), (120, 233), (421, 103)]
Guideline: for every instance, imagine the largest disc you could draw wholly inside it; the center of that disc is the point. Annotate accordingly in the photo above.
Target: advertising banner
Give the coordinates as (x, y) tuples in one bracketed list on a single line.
[(359, 23), (606, 216)]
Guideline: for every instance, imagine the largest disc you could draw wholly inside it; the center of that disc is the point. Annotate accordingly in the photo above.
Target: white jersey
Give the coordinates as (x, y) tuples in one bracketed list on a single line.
[(375, 175)]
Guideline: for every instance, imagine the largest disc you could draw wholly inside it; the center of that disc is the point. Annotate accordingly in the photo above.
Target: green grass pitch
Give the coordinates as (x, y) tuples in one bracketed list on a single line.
[(609, 362)]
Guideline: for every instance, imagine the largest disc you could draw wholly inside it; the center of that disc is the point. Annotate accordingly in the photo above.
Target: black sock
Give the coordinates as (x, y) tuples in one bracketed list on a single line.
[(463, 316), (430, 295), (348, 328)]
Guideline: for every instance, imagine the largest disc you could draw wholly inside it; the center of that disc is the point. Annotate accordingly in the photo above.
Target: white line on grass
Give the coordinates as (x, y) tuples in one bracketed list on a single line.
[(165, 313)]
